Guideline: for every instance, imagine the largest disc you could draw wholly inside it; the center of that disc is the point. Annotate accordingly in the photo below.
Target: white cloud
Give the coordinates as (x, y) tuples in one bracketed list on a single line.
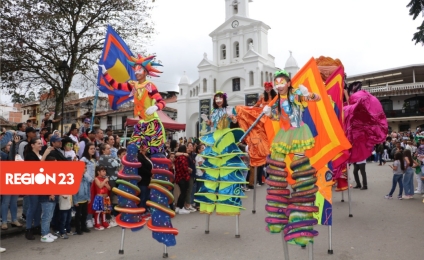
[(365, 35)]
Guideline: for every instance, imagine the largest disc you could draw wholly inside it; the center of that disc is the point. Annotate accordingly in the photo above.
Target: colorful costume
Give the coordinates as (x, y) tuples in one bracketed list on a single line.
[(148, 132), (304, 136), (100, 204), (294, 137), (365, 124), (221, 182)]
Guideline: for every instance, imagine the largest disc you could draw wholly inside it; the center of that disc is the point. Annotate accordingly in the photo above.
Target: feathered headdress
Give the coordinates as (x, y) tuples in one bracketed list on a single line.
[(145, 63)]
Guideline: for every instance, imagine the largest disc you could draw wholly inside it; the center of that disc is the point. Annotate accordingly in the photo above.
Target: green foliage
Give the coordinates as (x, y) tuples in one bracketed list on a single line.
[(22, 99), (415, 8)]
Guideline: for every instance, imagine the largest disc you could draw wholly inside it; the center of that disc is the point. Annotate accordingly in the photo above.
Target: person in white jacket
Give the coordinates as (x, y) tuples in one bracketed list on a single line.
[(65, 215)]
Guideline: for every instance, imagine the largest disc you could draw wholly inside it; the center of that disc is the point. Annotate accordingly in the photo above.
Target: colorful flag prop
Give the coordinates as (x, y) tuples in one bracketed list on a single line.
[(114, 57), (334, 86)]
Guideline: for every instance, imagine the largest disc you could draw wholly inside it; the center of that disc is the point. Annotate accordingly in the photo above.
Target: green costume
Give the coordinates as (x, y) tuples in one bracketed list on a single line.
[(221, 182)]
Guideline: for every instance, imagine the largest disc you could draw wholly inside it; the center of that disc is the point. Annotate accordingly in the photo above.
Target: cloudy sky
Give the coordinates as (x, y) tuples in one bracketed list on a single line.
[(365, 35)]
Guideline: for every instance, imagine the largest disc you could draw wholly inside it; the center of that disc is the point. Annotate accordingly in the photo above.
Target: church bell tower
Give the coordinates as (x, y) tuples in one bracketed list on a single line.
[(236, 7)]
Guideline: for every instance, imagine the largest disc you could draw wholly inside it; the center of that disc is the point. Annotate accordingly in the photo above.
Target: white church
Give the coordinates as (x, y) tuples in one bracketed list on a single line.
[(239, 67)]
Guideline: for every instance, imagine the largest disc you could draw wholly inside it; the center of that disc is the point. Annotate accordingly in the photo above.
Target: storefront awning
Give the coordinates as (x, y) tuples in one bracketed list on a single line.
[(167, 122)]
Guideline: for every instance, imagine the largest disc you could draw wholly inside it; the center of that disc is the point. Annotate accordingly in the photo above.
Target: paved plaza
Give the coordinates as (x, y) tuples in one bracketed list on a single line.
[(379, 229)]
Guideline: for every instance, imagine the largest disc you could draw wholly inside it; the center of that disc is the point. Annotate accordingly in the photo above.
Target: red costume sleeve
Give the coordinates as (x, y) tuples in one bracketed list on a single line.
[(119, 86), (154, 93)]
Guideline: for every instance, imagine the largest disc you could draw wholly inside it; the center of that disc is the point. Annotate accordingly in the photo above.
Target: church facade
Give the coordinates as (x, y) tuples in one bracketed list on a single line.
[(239, 66)]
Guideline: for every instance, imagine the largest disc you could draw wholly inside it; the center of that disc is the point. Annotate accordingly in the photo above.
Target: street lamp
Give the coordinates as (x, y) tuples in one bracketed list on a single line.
[(63, 72), (89, 105)]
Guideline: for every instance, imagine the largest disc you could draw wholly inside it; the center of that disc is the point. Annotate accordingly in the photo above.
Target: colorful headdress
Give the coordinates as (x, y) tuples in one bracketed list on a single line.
[(221, 93), (281, 72), (268, 85), (146, 63)]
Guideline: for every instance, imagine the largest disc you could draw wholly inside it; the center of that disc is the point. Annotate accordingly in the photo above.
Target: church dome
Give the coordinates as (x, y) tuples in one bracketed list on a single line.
[(291, 62), (184, 80)]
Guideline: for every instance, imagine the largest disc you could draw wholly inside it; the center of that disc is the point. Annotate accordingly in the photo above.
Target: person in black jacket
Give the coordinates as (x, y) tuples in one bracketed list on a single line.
[(56, 143), (33, 214), (145, 172)]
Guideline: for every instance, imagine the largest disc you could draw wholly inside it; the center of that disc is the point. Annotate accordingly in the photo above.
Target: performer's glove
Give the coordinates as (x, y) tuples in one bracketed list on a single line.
[(304, 90), (204, 117), (103, 68), (267, 110), (151, 110), (229, 111)]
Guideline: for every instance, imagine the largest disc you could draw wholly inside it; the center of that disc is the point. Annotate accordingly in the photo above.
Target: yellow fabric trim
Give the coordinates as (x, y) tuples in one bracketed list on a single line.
[(299, 146)]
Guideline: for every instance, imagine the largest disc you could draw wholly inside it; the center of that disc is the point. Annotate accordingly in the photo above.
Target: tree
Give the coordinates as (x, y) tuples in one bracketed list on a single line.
[(21, 99), (415, 8), (38, 35)]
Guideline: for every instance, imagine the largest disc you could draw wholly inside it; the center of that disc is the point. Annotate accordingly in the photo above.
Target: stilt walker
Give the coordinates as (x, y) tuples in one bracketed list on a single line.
[(296, 155), (149, 133), (220, 189)]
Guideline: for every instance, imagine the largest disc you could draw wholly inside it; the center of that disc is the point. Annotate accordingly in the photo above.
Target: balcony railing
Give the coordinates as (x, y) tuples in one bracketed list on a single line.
[(404, 113), (404, 89)]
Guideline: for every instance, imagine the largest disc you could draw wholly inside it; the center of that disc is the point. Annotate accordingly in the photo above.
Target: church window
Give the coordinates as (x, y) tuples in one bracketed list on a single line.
[(251, 80), (214, 85), (236, 84), (249, 44), (236, 50), (205, 86), (191, 93), (181, 92), (223, 52), (266, 76), (262, 78), (197, 90)]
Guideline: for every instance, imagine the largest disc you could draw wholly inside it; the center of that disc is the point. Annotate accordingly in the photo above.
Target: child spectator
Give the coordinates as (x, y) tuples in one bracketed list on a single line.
[(67, 147), (112, 165), (65, 204), (398, 168), (182, 178), (82, 198), (101, 202), (121, 153)]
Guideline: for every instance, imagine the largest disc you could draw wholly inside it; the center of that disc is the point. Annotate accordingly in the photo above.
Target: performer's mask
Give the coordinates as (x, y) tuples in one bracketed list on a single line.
[(219, 100), (280, 83), (138, 69)]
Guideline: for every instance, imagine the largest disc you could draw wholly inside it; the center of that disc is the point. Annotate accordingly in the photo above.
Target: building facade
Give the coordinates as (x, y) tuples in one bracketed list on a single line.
[(401, 93), (239, 66)]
